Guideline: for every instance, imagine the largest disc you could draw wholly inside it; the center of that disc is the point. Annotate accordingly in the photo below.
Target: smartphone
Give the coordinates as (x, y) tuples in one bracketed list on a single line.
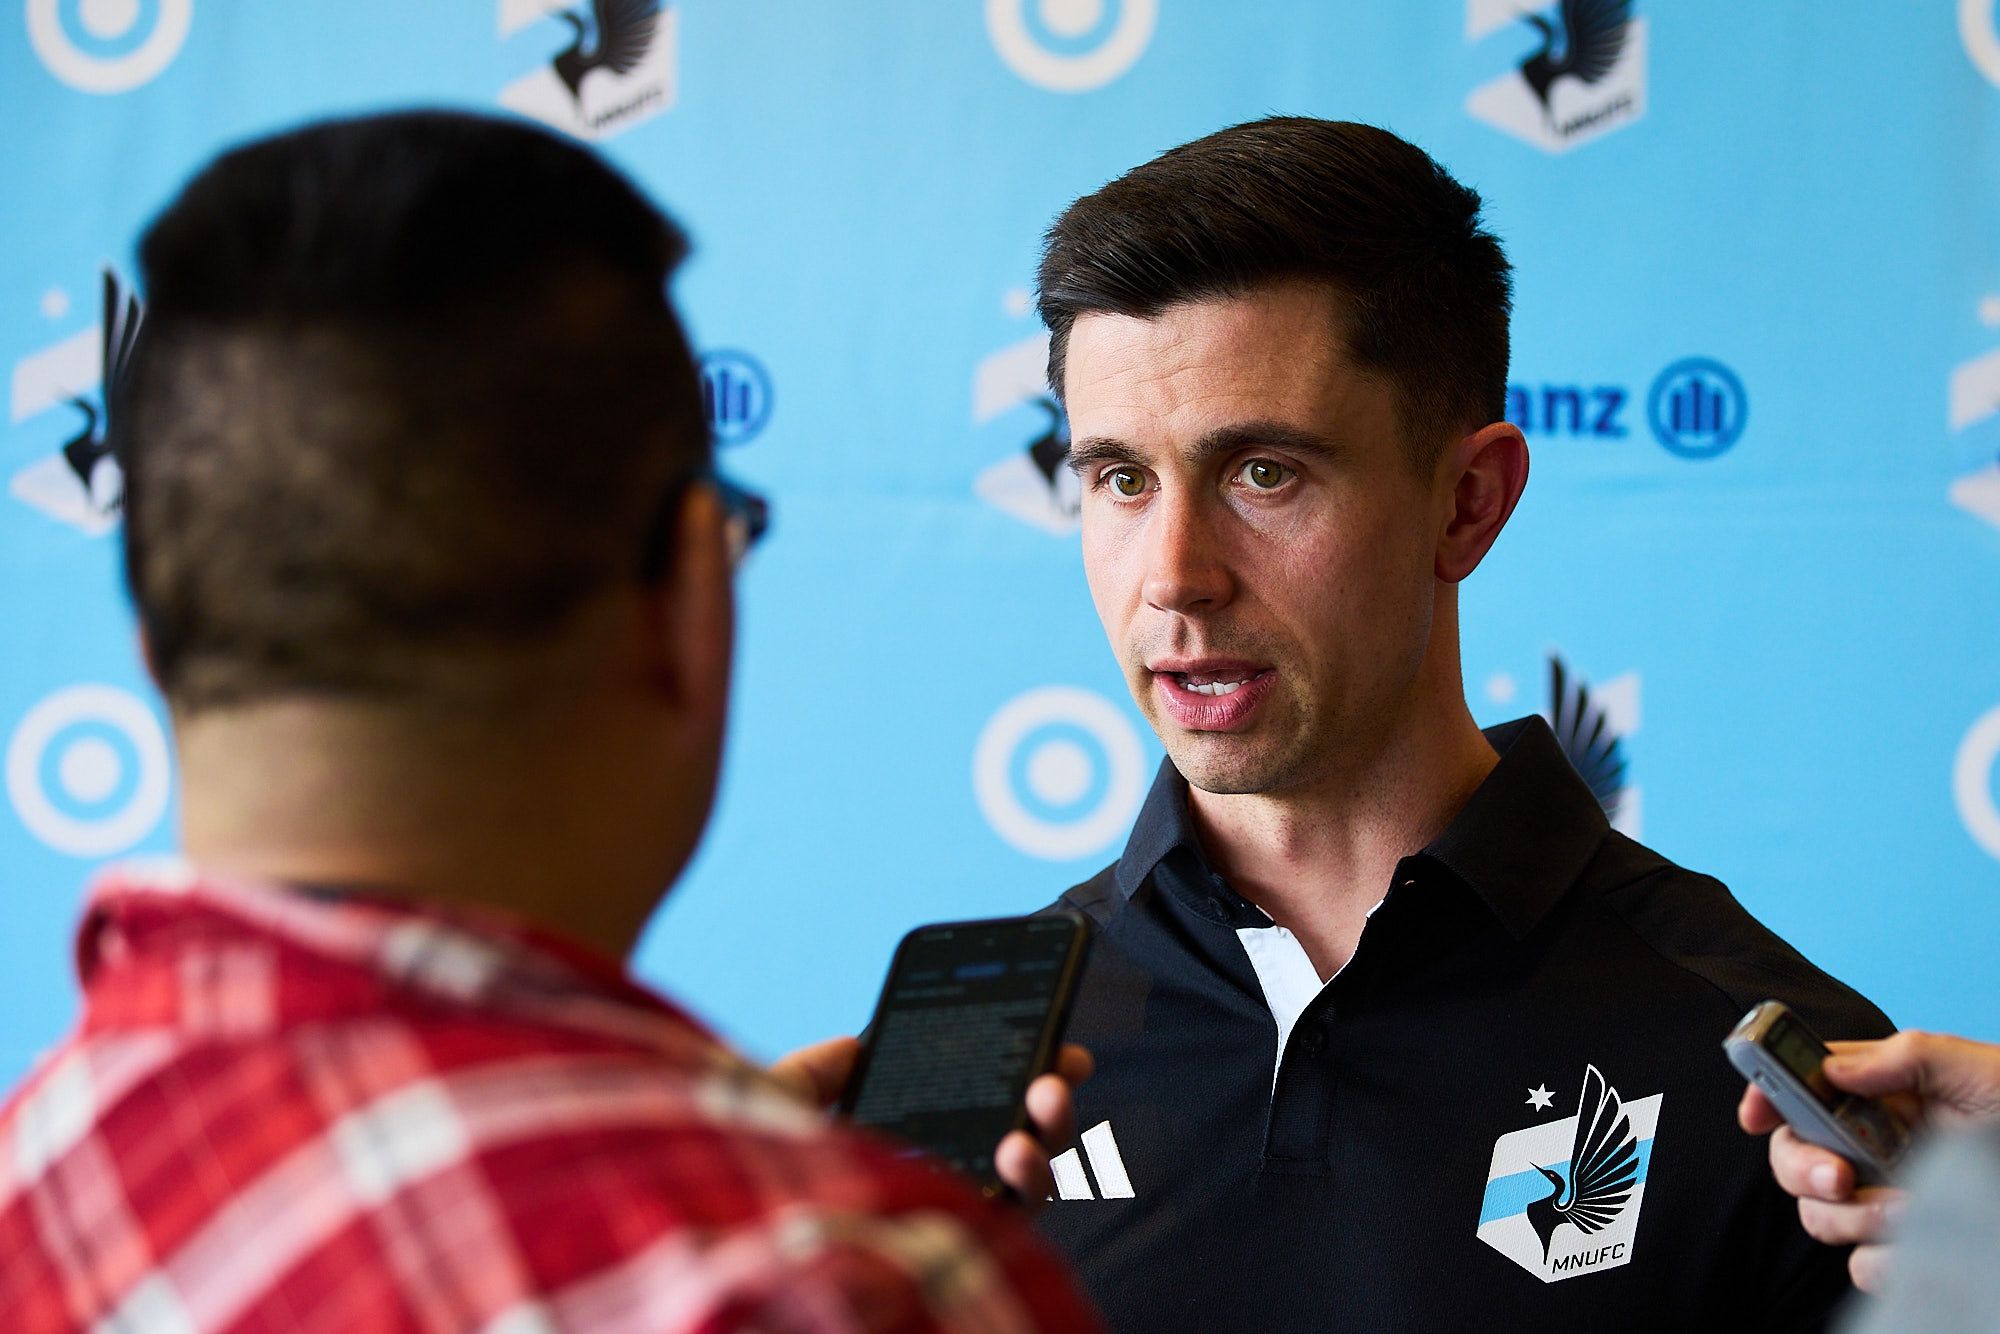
[(1774, 1050), (971, 1014)]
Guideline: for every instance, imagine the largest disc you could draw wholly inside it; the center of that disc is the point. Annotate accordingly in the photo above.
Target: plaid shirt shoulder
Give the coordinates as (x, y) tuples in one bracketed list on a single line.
[(300, 1112)]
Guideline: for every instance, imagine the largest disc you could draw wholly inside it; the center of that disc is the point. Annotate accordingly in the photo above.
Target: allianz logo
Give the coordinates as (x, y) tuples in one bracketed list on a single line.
[(1696, 408), (1099, 1151)]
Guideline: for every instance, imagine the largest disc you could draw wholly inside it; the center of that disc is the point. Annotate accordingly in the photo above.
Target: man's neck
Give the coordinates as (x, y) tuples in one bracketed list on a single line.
[(1318, 857), (345, 795)]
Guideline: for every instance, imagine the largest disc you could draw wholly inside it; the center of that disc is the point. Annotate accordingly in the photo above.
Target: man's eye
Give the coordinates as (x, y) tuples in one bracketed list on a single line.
[(1265, 475), (1127, 482)]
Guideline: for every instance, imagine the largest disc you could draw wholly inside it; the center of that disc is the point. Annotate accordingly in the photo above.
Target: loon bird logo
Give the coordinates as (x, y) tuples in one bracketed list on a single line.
[(1593, 37), (617, 71), (1973, 401), (90, 449), (1563, 1197), (1584, 728), (1050, 450), (83, 482), (1584, 79), (1032, 482), (1603, 1167), (624, 30)]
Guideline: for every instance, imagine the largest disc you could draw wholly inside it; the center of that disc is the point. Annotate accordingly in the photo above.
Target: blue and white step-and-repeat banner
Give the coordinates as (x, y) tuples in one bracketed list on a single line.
[(1757, 358)]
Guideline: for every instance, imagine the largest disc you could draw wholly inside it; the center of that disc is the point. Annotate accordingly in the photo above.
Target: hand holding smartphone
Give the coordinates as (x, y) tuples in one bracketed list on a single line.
[(971, 1014), (1773, 1049)]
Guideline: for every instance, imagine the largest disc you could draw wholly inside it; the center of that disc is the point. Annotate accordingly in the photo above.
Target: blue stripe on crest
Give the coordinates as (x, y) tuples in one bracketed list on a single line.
[(1510, 1195)]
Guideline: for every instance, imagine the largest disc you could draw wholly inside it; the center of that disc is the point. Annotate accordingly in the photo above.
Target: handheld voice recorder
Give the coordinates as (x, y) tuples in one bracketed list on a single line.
[(1774, 1050)]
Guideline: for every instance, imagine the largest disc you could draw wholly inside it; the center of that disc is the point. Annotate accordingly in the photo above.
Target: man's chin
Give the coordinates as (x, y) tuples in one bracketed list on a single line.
[(1224, 765)]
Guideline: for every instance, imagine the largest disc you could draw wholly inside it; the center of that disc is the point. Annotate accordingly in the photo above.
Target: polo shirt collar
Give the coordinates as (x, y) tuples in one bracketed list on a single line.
[(1518, 844)]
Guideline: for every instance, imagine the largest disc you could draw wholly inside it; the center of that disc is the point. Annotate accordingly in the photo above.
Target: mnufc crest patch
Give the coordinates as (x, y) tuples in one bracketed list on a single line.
[(1563, 1198)]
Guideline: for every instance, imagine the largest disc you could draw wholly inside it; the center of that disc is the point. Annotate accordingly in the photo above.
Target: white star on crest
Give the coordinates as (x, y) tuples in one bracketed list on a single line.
[(1540, 1098)]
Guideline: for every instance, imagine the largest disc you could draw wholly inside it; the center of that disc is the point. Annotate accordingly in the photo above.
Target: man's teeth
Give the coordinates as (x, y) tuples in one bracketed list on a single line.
[(1206, 685)]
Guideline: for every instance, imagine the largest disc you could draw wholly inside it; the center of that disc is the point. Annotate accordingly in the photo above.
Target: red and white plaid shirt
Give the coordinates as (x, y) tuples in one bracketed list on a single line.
[(285, 1110)]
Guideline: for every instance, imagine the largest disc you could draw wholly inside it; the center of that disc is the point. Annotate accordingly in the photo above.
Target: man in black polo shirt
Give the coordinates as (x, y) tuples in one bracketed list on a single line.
[(1393, 1032)]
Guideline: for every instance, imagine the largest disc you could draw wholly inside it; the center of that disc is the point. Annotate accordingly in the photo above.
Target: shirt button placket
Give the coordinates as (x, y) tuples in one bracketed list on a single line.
[(1297, 1138)]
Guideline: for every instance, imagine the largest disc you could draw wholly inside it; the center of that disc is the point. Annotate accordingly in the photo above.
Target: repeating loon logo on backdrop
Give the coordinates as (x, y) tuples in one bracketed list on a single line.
[(1563, 1197), (1585, 77), (1032, 483), (1071, 46), (1697, 409), (616, 72), (1972, 404), (1592, 727), (107, 46), (88, 771), (737, 395), (1592, 723), (1059, 772), (80, 482)]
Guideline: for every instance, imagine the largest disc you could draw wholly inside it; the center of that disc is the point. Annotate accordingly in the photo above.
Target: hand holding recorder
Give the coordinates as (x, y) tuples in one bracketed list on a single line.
[(964, 1056), (1927, 1080)]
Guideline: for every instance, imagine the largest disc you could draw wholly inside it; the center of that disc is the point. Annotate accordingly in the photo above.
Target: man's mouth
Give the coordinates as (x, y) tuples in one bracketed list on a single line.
[(1211, 695)]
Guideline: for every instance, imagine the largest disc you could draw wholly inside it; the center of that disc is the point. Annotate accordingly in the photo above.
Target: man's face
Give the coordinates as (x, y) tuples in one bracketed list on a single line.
[(1257, 543)]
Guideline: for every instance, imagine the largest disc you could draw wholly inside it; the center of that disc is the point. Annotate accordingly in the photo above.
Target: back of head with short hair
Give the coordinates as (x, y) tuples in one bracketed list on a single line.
[(408, 392), (1425, 290)]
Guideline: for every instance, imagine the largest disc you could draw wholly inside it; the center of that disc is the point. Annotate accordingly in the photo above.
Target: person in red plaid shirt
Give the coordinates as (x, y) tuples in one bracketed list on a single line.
[(433, 570)]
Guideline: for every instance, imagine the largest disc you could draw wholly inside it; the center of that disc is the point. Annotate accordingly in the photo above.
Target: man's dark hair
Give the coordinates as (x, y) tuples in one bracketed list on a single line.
[(1424, 290), (407, 393)]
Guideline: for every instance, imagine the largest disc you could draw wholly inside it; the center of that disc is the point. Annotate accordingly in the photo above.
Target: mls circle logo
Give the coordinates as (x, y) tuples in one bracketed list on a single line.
[(1972, 782), (88, 771), (1584, 76), (1071, 46), (1058, 773), (108, 46), (736, 394), (615, 71), (1563, 1197), (1979, 30), (1697, 408)]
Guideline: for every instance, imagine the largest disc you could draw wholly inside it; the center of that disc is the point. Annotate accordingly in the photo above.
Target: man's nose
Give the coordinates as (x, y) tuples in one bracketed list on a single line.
[(1185, 569)]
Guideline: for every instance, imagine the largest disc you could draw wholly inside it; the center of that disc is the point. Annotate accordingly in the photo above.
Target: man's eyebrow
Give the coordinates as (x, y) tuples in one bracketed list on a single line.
[(1096, 451), (1273, 435)]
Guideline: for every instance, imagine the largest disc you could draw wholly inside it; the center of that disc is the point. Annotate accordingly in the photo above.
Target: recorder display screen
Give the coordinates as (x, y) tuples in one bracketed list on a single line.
[(1802, 1054)]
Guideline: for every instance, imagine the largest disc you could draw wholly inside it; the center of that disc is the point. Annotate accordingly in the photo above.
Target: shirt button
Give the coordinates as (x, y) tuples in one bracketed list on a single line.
[(1313, 1041)]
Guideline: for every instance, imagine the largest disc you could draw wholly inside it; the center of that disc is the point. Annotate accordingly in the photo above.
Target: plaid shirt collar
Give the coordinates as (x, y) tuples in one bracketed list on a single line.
[(163, 943)]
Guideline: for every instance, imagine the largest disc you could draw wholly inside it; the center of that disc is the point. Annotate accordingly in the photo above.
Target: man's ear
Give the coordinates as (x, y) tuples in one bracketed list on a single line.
[(1481, 478), (694, 606)]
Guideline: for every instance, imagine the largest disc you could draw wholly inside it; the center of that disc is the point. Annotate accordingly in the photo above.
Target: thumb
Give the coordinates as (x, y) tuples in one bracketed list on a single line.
[(819, 1073)]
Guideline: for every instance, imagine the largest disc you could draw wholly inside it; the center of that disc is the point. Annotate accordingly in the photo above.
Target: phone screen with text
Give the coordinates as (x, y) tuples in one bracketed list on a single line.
[(959, 1032)]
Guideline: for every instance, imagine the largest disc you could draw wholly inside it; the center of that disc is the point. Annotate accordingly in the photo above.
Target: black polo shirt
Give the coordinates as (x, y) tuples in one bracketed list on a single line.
[(1509, 1111)]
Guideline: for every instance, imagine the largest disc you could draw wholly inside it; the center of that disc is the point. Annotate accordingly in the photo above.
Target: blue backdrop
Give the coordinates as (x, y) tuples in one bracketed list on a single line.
[(1757, 357)]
